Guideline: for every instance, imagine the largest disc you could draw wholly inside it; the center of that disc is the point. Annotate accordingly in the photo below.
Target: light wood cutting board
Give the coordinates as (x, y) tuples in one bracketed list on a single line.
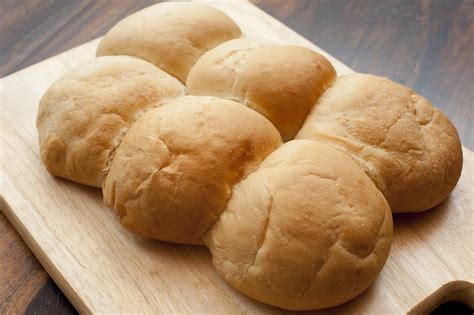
[(103, 268)]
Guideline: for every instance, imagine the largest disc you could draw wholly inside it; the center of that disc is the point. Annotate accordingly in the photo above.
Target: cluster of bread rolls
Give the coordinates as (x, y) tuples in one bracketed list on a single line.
[(189, 129)]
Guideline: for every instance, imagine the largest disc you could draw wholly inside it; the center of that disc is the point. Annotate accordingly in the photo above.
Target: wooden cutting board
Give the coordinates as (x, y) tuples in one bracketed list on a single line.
[(103, 268)]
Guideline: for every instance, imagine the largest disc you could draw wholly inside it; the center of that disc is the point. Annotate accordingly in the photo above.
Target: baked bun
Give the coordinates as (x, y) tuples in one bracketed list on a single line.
[(408, 148), (281, 82), (83, 115), (170, 35), (174, 171), (302, 225), (307, 230)]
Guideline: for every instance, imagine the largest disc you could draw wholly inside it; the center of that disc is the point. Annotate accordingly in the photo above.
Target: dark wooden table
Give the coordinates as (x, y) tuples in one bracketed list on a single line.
[(427, 45)]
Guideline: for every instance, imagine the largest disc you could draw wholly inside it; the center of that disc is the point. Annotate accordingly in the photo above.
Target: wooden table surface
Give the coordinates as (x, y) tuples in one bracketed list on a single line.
[(427, 45)]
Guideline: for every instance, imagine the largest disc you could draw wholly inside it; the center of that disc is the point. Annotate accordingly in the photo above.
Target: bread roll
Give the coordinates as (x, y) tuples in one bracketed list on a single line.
[(281, 82), (302, 225), (410, 149), (175, 169), (307, 230), (83, 116), (171, 35)]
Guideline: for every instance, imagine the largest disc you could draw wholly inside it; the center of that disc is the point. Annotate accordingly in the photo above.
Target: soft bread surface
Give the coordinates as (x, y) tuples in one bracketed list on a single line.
[(171, 35), (174, 171), (83, 115), (307, 230), (301, 226), (281, 82), (410, 149)]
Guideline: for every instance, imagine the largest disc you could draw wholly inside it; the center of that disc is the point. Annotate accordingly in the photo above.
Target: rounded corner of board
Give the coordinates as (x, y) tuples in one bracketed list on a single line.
[(453, 291)]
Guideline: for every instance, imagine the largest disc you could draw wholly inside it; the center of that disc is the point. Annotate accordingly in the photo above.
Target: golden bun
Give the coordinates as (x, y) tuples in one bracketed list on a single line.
[(307, 230), (175, 169), (409, 149), (83, 116), (280, 82), (171, 35)]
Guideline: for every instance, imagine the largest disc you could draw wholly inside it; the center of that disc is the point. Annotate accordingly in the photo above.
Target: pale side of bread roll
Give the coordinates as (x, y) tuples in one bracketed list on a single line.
[(84, 114), (281, 82), (307, 230), (175, 169), (408, 148), (170, 35)]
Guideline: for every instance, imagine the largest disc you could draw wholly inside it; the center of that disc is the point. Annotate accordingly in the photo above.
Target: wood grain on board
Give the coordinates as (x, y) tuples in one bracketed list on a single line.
[(27, 286)]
